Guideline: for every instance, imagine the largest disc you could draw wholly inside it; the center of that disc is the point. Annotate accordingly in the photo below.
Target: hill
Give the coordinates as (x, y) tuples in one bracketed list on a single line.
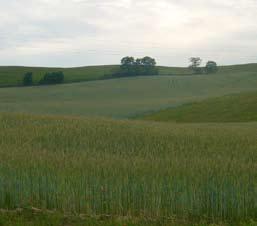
[(128, 168), (12, 76), (231, 108), (127, 97)]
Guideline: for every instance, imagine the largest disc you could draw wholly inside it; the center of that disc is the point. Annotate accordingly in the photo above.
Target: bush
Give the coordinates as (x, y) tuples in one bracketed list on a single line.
[(28, 79), (52, 78)]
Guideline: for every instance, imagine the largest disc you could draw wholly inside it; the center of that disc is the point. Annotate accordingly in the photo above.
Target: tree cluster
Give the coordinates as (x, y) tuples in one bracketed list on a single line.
[(141, 66), (195, 66), (52, 78), (28, 79), (49, 78)]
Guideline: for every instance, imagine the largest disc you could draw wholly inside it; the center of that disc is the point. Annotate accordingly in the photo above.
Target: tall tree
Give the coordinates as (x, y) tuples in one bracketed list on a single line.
[(128, 65), (195, 63), (28, 79)]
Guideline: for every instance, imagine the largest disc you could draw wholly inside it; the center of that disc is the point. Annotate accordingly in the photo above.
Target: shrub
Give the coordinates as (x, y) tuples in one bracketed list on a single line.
[(53, 78), (28, 79)]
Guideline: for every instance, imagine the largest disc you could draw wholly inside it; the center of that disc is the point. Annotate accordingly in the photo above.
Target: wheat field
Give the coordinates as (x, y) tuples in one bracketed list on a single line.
[(123, 168)]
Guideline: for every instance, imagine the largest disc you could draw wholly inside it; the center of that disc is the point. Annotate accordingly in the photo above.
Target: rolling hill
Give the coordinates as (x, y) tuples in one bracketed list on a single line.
[(231, 108), (12, 76), (126, 97)]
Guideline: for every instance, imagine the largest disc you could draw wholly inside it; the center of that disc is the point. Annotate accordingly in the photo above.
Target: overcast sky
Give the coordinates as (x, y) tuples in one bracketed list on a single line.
[(91, 32)]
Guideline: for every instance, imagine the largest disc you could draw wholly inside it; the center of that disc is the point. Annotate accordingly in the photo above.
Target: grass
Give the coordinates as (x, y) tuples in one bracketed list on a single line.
[(127, 97), (137, 169), (32, 217), (13, 75), (231, 108)]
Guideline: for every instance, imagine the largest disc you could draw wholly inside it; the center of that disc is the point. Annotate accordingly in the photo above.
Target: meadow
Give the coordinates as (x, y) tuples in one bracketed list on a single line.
[(71, 156), (149, 170), (230, 108), (127, 97), (13, 75)]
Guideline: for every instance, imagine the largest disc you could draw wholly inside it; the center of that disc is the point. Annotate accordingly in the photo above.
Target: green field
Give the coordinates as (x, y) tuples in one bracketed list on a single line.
[(127, 97), (231, 108), (129, 168), (70, 156), (12, 76)]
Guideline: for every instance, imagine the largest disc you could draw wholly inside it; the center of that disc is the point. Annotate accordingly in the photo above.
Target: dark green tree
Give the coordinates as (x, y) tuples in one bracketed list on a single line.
[(28, 79), (127, 66), (211, 67), (53, 78), (195, 63), (141, 66)]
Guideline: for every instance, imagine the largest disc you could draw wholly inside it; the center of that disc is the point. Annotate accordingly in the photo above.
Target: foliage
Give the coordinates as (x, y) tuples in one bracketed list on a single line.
[(53, 78), (211, 67), (152, 170), (28, 79), (195, 65), (131, 67)]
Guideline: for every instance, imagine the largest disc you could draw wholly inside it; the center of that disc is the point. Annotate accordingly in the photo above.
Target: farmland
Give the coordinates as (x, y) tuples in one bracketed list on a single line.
[(231, 108), (13, 75), (126, 97), (135, 169), (91, 153)]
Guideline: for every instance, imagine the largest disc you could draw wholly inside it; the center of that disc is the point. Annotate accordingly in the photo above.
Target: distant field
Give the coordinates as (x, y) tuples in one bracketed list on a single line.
[(127, 97), (12, 76), (129, 168), (231, 108)]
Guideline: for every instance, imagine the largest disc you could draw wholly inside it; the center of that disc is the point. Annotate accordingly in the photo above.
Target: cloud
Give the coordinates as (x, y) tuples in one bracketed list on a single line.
[(83, 32)]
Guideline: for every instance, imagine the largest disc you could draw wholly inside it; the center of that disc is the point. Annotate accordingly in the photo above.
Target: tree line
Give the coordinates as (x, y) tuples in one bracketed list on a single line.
[(141, 66), (129, 66)]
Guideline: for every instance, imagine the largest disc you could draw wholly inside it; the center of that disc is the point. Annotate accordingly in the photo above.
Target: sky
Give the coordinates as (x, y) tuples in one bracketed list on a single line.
[(69, 33)]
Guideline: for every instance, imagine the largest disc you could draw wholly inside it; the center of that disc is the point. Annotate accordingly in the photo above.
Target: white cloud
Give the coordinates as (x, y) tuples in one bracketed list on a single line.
[(83, 32)]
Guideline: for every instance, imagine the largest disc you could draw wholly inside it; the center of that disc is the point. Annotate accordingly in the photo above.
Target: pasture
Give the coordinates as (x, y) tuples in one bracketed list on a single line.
[(230, 108)]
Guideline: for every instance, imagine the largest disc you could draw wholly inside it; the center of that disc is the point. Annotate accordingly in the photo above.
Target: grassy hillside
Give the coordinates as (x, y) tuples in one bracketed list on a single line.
[(231, 108), (128, 168), (125, 97), (12, 76)]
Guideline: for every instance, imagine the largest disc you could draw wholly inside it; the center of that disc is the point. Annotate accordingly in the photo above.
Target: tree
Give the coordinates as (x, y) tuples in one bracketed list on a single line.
[(28, 79), (148, 61), (211, 67), (128, 65), (195, 64), (53, 78)]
